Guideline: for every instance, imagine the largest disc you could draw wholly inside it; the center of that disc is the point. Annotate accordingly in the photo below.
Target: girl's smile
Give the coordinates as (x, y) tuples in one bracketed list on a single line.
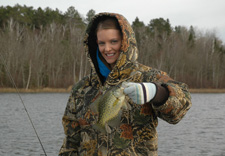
[(109, 42)]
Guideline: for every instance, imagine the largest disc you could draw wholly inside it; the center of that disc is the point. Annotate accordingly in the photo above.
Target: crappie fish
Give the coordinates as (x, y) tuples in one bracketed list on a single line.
[(109, 107)]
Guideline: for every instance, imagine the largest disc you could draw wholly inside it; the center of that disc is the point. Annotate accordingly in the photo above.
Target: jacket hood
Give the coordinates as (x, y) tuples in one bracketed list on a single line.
[(128, 55)]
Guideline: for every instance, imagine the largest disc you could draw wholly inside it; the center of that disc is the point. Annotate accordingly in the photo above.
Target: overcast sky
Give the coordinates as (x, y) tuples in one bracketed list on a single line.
[(206, 15)]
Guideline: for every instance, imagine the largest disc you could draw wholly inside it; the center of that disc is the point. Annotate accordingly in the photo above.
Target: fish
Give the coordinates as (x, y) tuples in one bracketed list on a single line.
[(108, 106)]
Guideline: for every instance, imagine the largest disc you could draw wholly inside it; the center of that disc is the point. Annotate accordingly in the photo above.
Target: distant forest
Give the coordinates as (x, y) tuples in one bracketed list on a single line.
[(44, 48)]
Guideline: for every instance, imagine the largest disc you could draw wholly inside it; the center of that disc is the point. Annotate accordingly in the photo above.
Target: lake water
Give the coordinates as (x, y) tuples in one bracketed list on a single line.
[(200, 133)]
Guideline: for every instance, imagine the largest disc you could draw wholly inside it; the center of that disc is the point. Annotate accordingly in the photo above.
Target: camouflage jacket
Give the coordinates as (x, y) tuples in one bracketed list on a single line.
[(136, 135)]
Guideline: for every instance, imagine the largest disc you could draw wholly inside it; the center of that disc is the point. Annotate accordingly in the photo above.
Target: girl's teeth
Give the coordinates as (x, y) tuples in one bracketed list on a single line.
[(110, 54)]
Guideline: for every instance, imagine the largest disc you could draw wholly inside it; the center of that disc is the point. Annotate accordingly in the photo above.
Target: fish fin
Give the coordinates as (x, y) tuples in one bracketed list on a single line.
[(99, 127), (116, 120), (108, 129), (126, 105), (94, 106)]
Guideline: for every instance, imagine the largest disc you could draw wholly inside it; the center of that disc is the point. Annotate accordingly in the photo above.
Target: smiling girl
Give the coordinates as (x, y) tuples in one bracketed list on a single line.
[(111, 48)]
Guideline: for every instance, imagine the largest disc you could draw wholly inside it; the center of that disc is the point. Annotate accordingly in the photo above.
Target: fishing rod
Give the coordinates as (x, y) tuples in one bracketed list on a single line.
[(18, 93)]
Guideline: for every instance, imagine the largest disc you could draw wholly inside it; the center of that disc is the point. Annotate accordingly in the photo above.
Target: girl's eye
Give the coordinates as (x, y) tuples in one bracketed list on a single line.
[(101, 43), (114, 41)]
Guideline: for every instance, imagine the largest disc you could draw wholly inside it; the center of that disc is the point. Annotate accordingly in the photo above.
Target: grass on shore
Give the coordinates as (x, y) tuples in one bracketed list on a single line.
[(67, 90)]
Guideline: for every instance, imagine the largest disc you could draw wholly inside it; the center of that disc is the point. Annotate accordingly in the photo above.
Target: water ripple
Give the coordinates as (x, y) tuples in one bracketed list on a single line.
[(200, 133)]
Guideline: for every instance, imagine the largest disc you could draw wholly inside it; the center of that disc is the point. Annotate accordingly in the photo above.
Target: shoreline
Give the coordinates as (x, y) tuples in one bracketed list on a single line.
[(67, 90), (36, 90), (207, 90)]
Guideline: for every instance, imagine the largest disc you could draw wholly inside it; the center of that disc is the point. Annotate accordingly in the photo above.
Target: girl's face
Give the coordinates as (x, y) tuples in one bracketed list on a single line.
[(109, 42)]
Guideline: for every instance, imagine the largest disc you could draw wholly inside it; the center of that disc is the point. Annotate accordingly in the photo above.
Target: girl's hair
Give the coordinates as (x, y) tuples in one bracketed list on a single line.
[(108, 23)]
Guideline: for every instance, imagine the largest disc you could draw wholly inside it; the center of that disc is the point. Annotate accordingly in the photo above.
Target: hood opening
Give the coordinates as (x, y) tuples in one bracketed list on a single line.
[(92, 41), (129, 51)]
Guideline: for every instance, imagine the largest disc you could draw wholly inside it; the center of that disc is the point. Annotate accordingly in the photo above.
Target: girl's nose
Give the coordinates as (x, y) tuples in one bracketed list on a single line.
[(107, 47)]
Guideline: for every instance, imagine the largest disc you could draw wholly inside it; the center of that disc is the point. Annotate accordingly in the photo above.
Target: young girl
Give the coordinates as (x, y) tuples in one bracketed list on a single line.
[(111, 48)]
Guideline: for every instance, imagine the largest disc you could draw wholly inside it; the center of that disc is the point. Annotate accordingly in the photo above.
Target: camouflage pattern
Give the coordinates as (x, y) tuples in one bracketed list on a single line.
[(136, 134)]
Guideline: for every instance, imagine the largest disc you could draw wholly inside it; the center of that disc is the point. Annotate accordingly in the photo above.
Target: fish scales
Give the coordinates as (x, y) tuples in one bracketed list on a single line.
[(109, 108)]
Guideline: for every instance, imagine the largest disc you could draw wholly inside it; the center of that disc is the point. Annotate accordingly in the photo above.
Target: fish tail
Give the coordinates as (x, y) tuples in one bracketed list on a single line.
[(99, 127)]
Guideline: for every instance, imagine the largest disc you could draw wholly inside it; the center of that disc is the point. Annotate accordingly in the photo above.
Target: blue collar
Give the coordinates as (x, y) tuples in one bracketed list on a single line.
[(102, 67)]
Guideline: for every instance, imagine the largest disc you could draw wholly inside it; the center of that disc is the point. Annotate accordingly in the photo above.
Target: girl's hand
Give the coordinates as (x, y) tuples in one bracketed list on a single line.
[(140, 93)]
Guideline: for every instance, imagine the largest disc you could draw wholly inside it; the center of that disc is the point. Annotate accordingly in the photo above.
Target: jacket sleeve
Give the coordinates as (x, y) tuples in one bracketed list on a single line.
[(71, 128), (178, 100), (70, 122)]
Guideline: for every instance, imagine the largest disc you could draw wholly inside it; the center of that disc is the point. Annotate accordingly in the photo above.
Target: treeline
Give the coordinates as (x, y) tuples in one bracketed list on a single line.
[(44, 48)]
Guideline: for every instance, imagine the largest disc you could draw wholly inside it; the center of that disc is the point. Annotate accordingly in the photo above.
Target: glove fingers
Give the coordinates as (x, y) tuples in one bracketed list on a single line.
[(129, 90)]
